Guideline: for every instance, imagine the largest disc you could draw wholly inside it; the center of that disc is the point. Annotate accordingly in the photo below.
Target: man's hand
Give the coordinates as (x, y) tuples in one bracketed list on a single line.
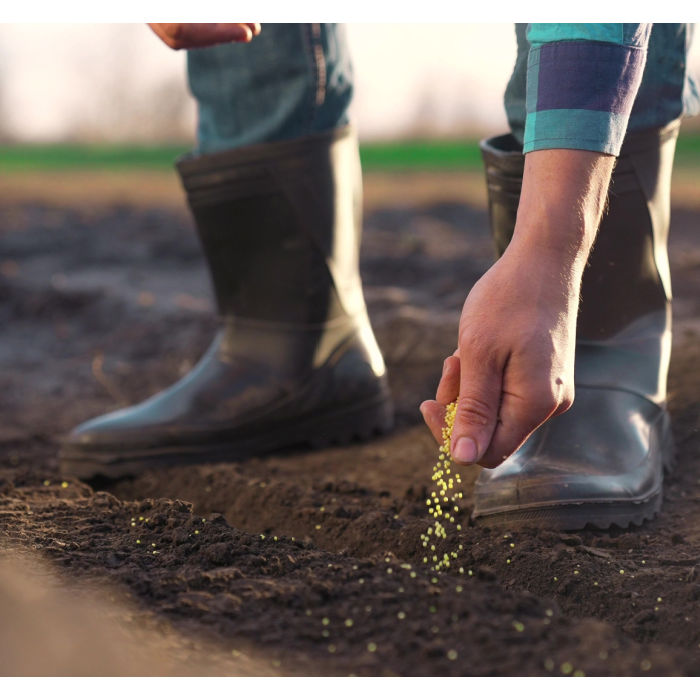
[(514, 364), (194, 36)]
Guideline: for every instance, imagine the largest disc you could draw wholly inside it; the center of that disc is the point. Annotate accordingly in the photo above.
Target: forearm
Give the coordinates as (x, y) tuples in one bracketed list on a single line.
[(561, 204)]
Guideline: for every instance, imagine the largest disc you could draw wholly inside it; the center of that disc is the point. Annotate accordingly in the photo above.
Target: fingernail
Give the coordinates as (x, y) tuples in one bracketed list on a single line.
[(464, 450)]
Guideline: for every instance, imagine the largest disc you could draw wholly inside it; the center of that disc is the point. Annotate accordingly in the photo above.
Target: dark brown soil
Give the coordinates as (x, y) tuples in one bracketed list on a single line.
[(310, 563)]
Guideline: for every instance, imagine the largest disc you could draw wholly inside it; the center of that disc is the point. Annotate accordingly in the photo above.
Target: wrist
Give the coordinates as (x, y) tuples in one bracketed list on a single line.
[(561, 203)]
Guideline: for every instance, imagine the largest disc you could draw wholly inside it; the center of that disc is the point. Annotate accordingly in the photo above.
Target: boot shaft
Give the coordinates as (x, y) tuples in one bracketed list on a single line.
[(280, 227), (627, 275)]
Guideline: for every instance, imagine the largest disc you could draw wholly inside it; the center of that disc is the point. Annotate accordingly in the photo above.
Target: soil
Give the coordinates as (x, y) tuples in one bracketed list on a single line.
[(303, 563)]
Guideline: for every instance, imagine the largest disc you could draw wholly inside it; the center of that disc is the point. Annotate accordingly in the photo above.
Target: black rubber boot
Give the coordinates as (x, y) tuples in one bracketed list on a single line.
[(601, 463), (295, 361)]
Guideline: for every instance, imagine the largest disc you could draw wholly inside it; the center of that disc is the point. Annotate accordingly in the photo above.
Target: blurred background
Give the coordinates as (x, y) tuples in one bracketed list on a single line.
[(118, 83)]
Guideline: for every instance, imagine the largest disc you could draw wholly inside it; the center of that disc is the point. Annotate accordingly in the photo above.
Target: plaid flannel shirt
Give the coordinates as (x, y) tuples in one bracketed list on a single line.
[(584, 86)]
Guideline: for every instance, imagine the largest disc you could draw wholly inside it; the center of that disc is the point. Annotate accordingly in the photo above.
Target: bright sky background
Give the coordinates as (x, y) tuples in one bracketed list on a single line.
[(118, 81)]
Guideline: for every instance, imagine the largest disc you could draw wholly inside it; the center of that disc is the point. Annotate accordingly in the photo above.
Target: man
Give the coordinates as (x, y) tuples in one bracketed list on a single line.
[(274, 191)]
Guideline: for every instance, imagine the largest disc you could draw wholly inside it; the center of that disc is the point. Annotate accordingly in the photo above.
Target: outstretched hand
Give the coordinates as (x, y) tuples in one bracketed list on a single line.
[(514, 364), (200, 35)]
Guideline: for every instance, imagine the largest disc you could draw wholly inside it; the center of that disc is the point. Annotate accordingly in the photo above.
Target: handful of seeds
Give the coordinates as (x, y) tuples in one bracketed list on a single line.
[(442, 503)]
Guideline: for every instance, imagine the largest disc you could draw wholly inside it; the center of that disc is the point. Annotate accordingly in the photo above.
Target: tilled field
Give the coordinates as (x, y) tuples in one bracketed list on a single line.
[(306, 562)]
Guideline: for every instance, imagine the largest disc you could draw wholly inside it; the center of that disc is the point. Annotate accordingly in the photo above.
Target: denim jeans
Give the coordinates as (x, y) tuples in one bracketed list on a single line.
[(292, 80)]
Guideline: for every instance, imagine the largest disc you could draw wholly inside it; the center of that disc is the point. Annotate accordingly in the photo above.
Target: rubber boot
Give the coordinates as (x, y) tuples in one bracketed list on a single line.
[(295, 361), (602, 462)]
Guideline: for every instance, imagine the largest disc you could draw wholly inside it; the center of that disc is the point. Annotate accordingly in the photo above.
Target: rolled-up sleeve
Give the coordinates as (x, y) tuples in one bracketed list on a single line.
[(582, 80)]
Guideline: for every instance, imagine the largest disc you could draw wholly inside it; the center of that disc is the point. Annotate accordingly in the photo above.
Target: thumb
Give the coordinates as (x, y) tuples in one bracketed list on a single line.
[(477, 407)]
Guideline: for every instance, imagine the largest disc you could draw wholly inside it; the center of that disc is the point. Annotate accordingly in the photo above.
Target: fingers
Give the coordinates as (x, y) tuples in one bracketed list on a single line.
[(434, 417), (199, 35), (477, 408), (521, 413), (448, 388)]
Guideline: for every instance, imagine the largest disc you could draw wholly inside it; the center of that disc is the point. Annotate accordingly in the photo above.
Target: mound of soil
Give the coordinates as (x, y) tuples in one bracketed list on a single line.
[(311, 562)]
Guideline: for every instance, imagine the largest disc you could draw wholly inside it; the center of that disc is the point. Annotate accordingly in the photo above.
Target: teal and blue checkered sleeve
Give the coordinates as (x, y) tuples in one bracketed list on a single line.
[(582, 80)]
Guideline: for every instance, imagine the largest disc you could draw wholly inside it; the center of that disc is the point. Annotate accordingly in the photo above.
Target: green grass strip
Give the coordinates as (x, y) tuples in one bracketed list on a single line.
[(398, 156)]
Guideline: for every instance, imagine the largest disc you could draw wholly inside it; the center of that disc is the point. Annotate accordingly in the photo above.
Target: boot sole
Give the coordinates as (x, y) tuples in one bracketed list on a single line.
[(357, 423), (602, 516)]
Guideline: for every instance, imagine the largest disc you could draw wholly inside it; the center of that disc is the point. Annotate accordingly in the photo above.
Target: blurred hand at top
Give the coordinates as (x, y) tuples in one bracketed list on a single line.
[(196, 36)]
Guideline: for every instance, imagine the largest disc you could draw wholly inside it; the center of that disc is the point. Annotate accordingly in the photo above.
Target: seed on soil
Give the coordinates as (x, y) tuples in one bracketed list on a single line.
[(331, 648), (64, 484), (349, 622), (452, 654), (519, 626), (401, 615), (325, 621), (549, 664), (566, 668), (47, 482), (372, 647)]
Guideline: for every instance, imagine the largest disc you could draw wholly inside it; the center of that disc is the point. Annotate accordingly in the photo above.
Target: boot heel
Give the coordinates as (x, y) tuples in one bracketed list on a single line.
[(357, 424), (668, 445)]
